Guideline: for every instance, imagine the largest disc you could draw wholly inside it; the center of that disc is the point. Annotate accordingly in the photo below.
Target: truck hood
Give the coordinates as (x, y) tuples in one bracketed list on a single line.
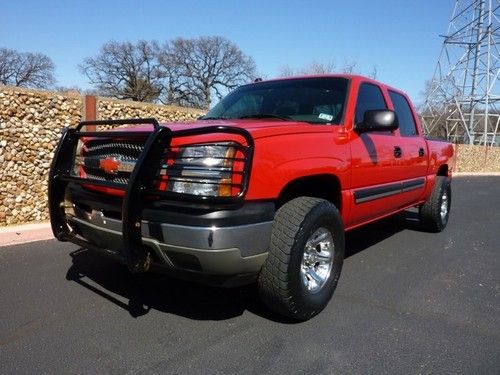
[(257, 128)]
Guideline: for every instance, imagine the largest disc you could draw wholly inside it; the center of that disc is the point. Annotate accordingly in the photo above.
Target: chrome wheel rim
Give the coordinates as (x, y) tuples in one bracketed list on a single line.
[(317, 260), (444, 206)]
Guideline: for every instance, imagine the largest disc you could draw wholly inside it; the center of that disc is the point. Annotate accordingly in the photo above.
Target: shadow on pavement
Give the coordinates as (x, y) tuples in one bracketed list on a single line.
[(143, 292), (362, 238)]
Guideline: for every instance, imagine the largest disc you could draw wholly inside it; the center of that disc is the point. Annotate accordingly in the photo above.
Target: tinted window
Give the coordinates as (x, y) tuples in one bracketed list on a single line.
[(369, 97), (407, 126), (244, 105), (314, 100)]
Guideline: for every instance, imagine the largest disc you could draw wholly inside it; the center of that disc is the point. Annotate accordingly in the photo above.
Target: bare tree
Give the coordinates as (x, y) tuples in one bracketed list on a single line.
[(196, 70), (350, 67), (373, 74), (8, 59), (126, 71), (26, 69), (318, 67), (315, 67), (434, 111), (286, 71)]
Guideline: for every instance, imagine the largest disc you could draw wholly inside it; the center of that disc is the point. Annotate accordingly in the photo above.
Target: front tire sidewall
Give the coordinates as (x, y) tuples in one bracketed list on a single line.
[(311, 303)]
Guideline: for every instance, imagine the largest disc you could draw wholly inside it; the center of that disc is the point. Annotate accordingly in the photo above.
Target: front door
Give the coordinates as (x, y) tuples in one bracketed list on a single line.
[(374, 162)]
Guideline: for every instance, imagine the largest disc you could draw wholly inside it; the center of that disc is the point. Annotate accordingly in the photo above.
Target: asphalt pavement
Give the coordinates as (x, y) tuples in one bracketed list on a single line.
[(408, 302)]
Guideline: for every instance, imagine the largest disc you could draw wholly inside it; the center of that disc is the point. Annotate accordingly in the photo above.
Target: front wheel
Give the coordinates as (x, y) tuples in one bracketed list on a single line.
[(305, 258)]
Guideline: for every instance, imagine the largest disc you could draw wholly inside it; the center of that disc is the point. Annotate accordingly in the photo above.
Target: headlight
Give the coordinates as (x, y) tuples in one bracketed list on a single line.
[(204, 170)]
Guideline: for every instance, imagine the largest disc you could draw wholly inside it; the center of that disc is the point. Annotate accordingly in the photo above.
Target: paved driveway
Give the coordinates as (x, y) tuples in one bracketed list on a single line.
[(407, 302)]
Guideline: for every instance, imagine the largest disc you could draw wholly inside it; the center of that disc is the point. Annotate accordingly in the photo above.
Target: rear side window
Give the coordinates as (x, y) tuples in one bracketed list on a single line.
[(369, 97), (407, 126)]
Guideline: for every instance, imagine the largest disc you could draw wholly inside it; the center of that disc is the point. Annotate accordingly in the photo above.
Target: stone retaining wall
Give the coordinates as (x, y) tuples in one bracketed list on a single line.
[(31, 122), (107, 108), (477, 158), (30, 125)]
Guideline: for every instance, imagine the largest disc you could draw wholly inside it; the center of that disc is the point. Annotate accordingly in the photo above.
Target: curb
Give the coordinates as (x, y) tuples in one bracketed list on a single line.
[(484, 174), (19, 234)]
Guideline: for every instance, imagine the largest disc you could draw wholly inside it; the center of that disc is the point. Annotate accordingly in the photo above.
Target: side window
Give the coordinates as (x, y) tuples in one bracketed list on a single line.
[(369, 97), (407, 126)]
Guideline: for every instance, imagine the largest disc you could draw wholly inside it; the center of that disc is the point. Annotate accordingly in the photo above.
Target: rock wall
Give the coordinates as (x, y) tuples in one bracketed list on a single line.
[(116, 109), (471, 158), (30, 125), (31, 122)]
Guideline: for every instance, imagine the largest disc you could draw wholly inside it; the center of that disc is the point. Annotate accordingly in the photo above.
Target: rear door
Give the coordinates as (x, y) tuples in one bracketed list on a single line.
[(413, 161)]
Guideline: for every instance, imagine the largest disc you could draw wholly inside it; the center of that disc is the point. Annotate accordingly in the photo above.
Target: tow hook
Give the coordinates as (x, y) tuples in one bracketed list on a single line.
[(141, 265)]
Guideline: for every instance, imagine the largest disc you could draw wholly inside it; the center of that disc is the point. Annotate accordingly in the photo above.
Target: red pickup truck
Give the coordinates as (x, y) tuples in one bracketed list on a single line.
[(260, 189)]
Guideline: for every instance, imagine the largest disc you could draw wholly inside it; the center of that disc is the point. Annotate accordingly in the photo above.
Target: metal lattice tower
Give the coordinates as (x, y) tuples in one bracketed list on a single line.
[(463, 98)]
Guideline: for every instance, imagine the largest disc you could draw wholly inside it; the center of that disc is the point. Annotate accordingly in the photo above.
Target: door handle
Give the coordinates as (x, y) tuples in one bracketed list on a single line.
[(397, 152), (421, 152)]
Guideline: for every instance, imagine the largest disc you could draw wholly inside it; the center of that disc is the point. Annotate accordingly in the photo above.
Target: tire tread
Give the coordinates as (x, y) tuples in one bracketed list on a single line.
[(274, 278), (430, 217)]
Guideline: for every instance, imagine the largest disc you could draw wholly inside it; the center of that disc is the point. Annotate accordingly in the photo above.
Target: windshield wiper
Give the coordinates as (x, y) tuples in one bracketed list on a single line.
[(265, 115)]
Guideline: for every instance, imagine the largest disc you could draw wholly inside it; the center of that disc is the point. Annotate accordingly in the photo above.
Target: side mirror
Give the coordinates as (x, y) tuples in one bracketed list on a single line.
[(378, 120)]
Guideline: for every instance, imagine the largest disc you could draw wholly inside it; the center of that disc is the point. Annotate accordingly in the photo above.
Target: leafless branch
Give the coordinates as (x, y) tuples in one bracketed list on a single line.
[(197, 70), (26, 69), (126, 71)]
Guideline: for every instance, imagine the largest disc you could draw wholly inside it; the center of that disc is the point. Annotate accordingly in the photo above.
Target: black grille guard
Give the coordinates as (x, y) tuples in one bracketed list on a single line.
[(141, 181)]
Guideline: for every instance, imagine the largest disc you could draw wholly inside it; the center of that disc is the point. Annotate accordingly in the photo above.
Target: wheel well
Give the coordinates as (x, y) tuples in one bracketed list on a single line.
[(443, 170), (318, 186)]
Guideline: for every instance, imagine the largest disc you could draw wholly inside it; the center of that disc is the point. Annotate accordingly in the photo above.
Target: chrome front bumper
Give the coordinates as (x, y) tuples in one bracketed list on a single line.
[(225, 251)]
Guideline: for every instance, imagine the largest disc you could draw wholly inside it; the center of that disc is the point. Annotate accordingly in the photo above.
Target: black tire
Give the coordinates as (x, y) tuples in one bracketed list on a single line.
[(282, 280), (435, 212)]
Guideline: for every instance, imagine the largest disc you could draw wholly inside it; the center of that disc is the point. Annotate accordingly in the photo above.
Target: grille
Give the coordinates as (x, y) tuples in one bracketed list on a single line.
[(126, 150), (96, 151)]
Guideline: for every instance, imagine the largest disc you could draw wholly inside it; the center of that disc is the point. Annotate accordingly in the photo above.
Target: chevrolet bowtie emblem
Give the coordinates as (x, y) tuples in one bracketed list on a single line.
[(110, 165)]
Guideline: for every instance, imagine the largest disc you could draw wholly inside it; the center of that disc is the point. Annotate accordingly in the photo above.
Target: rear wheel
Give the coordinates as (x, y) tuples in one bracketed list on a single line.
[(435, 212), (305, 258)]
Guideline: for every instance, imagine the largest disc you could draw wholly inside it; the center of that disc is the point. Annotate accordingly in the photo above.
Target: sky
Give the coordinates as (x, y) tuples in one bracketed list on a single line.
[(399, 37)]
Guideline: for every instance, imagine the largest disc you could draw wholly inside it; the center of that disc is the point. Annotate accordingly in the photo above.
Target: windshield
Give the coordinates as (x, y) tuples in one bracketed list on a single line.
[(313, 100)]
